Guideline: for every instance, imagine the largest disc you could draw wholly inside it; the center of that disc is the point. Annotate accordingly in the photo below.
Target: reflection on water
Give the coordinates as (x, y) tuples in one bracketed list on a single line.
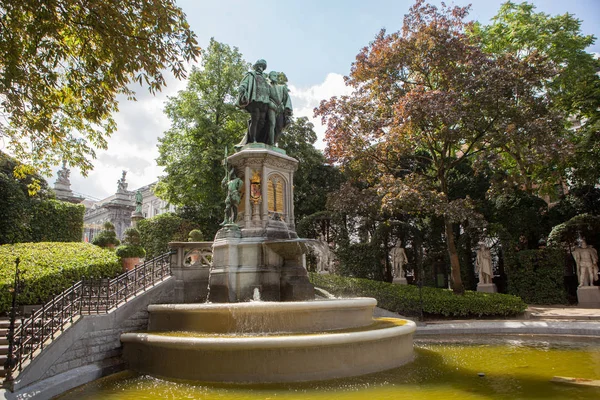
[(516, 367)]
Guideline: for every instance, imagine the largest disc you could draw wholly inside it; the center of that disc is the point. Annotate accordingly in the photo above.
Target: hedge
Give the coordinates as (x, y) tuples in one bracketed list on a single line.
[(404, 299), (50, 267), (56, 221), (157, 232), (360, 260), (537, 276)]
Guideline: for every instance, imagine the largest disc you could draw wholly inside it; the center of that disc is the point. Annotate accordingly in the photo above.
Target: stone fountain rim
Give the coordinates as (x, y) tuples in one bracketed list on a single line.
[(272, 306), (269, 342)]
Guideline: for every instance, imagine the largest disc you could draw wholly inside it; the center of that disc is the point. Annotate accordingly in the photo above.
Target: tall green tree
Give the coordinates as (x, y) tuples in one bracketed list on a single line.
[(573, 88), (63, 63), (204, 121), (315, 178), (431, 93)]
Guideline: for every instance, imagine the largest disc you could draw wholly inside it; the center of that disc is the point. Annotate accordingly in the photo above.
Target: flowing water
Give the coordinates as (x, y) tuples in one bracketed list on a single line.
[(513, 367)]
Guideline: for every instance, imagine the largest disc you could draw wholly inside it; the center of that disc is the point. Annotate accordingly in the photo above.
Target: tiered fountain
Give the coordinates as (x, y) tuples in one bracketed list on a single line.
[(288, 336)]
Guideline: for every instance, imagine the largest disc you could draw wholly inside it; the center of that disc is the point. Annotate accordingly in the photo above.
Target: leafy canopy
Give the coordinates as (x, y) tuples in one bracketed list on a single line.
[(63, 63), (427, 99), (204, 121)]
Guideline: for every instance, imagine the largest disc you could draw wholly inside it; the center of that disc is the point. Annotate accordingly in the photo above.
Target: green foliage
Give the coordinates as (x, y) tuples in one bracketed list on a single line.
[(158, 231), (17, 194), (585, 225), (132, 236), (56, 221), (579, 200), (130, 251), (204, 121), (49, 268), (404, 299), (523, 216), (195, 235), (361, 260), (107, 237), (537, 275), (574, 87), (131, 246), (314, 179), (63, 63), (27, 217)]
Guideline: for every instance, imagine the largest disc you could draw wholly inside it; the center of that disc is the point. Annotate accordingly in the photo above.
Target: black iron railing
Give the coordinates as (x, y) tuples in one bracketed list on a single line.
[(85, 297)]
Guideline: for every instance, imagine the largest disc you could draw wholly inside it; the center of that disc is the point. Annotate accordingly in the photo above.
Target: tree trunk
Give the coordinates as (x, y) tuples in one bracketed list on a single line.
[(456, 281)]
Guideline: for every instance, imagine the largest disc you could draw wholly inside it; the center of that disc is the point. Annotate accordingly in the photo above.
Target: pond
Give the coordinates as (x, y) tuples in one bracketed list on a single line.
[(491, 367)]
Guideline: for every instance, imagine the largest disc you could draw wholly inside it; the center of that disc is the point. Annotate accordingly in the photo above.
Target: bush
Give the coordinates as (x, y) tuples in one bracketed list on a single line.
[(131, 245), (360, 260), (108, 236), (567, 234), (34, 217), (195, 235), (404, 299), (56, 221), (537, 276), (130, 251), (49, 268), (157, 232)]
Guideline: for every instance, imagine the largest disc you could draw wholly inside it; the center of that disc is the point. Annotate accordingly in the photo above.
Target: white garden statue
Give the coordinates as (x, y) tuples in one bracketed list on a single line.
[(399, 260), (586, 258), (483, 264)]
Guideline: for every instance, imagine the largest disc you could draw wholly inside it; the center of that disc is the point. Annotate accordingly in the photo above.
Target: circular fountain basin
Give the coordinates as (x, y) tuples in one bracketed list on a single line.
[(282, 358), (263, 317)]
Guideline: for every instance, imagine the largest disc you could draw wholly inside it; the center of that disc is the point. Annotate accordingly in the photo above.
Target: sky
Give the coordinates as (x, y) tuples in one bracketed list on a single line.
[(313, 41)]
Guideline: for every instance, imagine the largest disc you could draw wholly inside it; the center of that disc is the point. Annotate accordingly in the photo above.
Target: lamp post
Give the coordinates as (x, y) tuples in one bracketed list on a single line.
[(11, 359)]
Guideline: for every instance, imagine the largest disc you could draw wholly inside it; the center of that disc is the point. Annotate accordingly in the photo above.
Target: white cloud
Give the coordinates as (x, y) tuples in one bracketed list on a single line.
[(304, 101)]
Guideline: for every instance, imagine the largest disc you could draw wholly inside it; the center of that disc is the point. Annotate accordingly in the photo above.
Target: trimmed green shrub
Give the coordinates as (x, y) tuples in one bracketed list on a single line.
[(195, 235), (107, 236), (50, 267), (584, 225), (157, 232), (404, 299), (130, 251), (537, 276), (131, 245), (56, 221), (27, 217)]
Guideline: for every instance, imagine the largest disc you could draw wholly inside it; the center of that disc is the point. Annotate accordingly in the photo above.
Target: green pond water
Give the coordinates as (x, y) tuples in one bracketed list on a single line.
[(515, 367)]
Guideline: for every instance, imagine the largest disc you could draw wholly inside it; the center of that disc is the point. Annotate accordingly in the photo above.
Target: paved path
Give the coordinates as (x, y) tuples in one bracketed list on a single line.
[(538, 320)]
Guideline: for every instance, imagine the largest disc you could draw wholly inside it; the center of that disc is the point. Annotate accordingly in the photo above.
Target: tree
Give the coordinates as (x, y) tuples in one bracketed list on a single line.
[(63, 63), (314, 179), (573, 87), (204, 121), (431, 93)]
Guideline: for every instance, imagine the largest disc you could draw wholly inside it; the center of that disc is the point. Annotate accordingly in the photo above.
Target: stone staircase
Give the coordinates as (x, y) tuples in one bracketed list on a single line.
[(4, 324)]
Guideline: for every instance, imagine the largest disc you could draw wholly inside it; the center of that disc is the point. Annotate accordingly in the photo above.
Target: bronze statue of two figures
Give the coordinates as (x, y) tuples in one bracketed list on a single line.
[(266, 98)]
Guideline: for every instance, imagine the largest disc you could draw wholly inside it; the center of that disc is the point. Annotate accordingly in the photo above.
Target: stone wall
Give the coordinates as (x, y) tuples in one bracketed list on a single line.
[(92, 340)]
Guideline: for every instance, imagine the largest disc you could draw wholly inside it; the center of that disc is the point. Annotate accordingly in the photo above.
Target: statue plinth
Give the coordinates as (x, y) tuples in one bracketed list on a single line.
[(136, 216), (400, 281), (262, 251), (588, 296), (487, 288)]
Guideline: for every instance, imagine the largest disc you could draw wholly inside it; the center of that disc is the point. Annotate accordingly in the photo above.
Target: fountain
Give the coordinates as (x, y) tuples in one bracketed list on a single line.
[(262, 323), (287, 336)]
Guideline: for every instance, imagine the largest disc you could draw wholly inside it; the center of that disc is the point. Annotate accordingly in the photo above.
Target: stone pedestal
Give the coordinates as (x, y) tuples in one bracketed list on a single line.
[(487, 288), (399, 281), (135, 218), (588, 296), (262, 250)]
